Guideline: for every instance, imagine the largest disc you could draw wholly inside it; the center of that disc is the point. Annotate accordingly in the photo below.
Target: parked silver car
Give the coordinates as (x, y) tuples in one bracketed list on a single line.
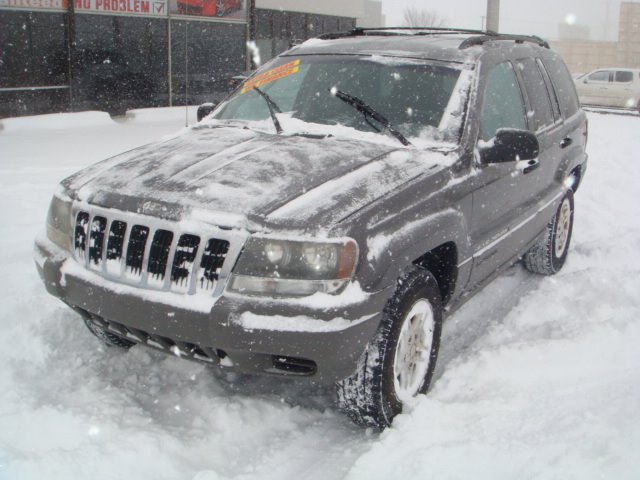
[(610, 87)]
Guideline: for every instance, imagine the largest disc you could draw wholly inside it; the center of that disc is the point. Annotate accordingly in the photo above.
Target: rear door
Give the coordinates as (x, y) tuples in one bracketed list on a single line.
[(546, 122), (621, 92)]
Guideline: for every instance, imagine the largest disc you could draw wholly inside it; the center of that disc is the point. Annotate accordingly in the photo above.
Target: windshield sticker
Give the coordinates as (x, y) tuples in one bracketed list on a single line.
[(272, 75)]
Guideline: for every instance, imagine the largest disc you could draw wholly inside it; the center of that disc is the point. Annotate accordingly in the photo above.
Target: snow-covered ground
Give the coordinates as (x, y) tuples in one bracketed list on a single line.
[(538, 378)]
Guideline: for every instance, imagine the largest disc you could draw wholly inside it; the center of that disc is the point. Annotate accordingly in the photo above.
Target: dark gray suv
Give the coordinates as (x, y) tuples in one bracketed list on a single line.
[(321, 221)]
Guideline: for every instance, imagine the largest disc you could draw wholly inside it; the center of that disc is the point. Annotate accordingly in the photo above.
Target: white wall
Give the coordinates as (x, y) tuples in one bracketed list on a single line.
[(367, 12), (372, 16), (342, 8)]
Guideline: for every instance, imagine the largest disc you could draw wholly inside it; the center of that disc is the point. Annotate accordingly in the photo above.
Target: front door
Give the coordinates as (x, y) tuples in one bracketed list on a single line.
[(501, 188)]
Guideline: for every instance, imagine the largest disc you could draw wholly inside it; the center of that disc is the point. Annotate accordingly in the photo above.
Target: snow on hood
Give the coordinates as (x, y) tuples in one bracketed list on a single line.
[(237, 177)]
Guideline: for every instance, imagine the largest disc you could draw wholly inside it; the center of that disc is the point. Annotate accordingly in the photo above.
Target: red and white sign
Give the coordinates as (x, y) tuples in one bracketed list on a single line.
[(34, 4), (141, 7)]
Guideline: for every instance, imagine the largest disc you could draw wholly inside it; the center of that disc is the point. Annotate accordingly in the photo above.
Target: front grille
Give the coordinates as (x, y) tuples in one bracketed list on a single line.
[(145, 256)]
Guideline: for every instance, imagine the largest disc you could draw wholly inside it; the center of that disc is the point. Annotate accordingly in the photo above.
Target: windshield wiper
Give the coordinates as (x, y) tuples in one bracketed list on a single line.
[(369, 112), (273, 109)]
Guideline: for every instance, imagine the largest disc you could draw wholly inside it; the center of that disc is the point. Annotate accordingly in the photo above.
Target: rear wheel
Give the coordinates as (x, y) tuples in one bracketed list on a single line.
[(548, 256), (399, 362)]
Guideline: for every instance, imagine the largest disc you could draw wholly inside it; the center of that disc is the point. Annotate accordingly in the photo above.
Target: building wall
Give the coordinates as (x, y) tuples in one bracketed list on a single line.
[(351, 8), (54, 60), (584, 56), (277, 30), (368, 13), (373, 16), (629, 35)]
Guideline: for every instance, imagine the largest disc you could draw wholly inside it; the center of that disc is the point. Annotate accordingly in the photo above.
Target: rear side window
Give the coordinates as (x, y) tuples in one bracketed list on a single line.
[(536, 89), (552, 93), (502, 105), (624, 77), (563, 85)]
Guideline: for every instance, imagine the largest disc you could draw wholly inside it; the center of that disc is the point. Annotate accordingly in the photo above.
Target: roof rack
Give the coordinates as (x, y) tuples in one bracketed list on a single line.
[(480, 36), (359, 31), (492, 36)]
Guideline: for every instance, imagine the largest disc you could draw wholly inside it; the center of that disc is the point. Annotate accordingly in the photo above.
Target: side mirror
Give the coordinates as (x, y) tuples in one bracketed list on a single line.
[(510, 145), (205, 109)]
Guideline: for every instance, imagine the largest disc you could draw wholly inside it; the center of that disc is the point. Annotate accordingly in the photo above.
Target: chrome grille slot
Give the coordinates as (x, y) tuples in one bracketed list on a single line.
[(135, 250), (159, 256), (96, 240), (80, 235), (211, 264), (116, 240), (183, 260)]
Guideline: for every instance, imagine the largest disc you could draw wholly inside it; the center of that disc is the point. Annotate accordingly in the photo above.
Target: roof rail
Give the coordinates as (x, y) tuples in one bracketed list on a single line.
[(480, 36), (359, 31), (492, 36)]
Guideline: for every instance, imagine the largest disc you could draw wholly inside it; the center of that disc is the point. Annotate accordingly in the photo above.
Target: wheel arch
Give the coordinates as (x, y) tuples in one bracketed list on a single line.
[(575, 178), (442, 262), (436, 243)]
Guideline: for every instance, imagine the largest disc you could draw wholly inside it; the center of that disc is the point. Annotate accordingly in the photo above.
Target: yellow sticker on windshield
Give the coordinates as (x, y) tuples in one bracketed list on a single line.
[(271, 75)]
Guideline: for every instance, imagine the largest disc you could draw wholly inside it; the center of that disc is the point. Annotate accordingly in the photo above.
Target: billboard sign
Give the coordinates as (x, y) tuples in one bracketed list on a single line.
[(132, 7), (228, 9), (213, 9)]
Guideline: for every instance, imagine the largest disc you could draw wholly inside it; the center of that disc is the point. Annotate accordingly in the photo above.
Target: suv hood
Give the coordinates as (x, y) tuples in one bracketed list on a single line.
[(236, 177)]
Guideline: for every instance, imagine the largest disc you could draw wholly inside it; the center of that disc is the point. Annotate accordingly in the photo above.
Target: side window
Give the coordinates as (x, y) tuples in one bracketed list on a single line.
[(502, 105), (537, 93), (601, 76), (623, 77), (552, 93), (563, 86)]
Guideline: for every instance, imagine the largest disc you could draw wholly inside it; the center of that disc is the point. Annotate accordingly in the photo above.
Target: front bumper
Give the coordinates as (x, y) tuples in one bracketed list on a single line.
[(321, 339)]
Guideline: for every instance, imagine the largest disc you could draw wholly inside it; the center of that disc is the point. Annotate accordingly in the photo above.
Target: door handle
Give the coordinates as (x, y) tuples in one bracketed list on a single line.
[(566, 142)]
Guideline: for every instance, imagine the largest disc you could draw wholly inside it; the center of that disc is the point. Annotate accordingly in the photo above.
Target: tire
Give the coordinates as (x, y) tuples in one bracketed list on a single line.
[(108, 338), (391, 372), (548, 256)]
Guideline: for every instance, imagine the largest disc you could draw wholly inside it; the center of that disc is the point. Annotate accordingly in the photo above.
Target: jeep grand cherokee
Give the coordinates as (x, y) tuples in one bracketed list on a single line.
[(321, 221)]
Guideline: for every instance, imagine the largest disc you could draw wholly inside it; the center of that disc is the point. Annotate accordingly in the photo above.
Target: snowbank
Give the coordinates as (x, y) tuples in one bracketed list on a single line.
[(537, 378)]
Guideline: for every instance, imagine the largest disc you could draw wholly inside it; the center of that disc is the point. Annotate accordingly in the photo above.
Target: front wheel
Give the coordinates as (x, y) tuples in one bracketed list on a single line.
[(548, 256), (400, 360)]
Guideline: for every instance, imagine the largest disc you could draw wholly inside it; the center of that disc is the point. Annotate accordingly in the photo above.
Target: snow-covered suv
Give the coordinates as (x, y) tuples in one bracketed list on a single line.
[(322, 220)]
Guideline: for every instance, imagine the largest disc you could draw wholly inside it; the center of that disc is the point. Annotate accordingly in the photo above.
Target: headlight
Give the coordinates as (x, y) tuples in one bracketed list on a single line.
[(286, 267), (59, 222)]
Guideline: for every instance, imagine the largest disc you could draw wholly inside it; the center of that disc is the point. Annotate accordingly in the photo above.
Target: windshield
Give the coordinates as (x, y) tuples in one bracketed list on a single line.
[(417, 98)]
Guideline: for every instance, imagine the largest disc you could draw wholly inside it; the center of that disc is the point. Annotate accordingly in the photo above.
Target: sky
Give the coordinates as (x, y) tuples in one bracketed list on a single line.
[(536, 17)]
